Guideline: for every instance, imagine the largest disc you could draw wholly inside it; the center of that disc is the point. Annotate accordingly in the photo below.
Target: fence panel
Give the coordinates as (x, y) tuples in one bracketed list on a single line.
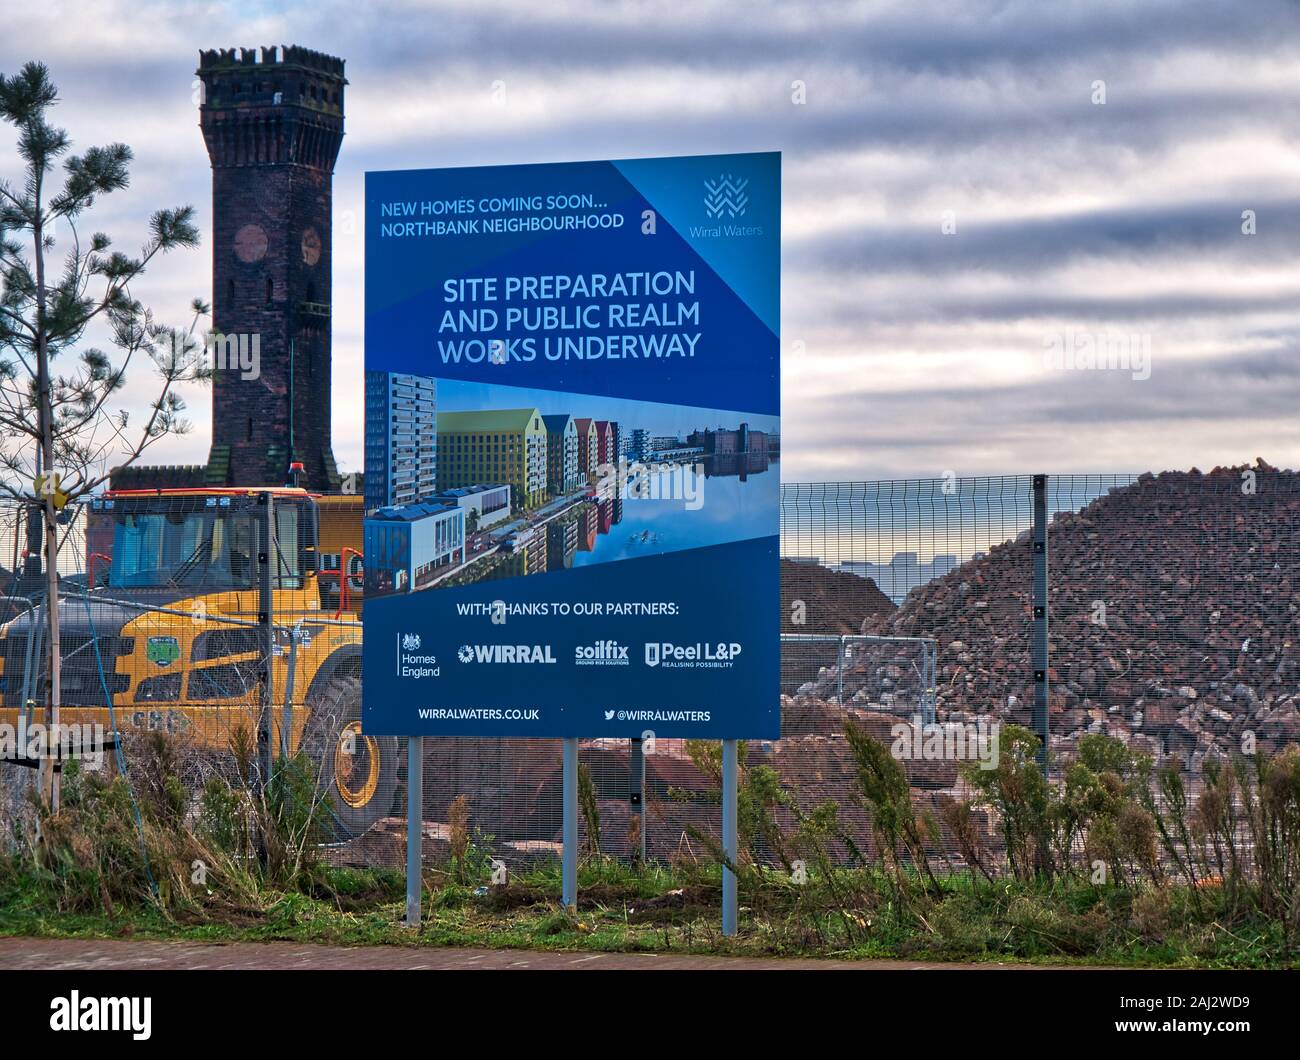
[(1174, 603)]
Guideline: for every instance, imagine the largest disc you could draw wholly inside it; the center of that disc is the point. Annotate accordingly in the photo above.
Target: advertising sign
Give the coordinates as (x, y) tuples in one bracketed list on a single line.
[(572, 397)]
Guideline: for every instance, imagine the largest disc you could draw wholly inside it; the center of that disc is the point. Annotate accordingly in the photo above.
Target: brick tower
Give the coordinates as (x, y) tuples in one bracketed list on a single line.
[(273, 124)]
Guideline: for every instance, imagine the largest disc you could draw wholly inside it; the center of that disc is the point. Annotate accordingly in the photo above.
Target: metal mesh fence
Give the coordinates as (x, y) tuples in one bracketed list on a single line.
[(1172, 604), (210, 618)]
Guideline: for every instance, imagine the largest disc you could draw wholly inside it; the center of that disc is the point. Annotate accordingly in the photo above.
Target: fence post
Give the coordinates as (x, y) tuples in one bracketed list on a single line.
[(929, 695), (636, 793), (839, 669), (266, 620), (286, 714), (1041, 658)]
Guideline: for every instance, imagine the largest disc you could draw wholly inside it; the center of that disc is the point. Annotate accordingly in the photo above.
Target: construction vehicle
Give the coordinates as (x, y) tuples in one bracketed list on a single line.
[(172, 630)]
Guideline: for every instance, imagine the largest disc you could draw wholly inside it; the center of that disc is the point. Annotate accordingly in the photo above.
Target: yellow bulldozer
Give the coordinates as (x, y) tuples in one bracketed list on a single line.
[(191, 598)]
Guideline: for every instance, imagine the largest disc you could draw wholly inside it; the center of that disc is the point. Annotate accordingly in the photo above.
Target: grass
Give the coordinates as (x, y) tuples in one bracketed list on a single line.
[(1094, 870), (658, 910)]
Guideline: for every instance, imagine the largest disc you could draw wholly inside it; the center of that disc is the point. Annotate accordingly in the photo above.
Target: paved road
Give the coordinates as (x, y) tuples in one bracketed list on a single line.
[(76, 954)]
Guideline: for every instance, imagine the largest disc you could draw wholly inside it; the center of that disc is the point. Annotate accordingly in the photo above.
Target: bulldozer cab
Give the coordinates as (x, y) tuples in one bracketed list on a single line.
[(205, 543), (171, 634), (202, 542)]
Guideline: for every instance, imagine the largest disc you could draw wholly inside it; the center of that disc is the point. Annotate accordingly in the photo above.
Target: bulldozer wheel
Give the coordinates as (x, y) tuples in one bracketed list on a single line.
[(359, 772)]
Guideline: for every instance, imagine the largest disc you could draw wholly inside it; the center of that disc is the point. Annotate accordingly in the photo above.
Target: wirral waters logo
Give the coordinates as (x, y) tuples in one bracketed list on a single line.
[(726, 196)]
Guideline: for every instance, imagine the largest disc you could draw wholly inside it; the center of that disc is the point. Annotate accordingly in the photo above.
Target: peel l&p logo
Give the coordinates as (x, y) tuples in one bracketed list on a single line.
[(718, 656)]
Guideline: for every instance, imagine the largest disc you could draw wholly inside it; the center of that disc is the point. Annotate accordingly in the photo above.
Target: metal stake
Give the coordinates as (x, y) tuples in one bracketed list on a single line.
[(267, 567)]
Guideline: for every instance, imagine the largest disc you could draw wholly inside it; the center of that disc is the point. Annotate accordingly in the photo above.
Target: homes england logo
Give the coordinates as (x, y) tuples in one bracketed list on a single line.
[(410, 642), (726, 196)]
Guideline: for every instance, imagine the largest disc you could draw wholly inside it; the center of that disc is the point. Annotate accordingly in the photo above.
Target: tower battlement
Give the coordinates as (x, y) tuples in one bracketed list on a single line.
[(241, 85), (281, 55)]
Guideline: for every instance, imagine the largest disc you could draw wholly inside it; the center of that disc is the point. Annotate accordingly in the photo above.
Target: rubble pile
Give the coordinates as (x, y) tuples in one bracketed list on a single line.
[(832, 601), (1175, 619)]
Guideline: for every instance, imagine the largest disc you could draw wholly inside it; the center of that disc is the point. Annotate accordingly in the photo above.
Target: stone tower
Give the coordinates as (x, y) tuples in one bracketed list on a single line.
[(273, 124)]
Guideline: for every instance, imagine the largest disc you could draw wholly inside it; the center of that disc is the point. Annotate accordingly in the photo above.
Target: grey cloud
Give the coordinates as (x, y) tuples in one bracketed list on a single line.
[(986, 100)]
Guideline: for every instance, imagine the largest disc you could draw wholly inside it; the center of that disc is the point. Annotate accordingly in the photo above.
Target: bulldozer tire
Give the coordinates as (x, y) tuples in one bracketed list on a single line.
[(359, 772)]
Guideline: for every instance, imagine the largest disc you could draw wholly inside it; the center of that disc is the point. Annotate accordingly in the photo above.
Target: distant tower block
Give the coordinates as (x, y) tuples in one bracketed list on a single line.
[(273, 124)]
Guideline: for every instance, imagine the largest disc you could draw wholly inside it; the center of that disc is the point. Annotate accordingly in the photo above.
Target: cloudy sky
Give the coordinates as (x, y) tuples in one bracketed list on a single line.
[(958, 201)]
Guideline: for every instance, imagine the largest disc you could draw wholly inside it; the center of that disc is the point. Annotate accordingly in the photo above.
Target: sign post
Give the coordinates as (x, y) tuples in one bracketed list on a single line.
[(730, 844), (569, 856), (414, 828), (572, 396)]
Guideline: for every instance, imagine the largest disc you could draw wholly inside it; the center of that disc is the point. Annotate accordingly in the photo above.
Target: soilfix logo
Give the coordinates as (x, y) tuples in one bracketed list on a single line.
[(692, 656), (505, 653), (602, 653)]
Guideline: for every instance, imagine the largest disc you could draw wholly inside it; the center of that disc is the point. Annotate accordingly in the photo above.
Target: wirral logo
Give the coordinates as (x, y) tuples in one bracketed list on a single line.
[(726, 196), (506, 653), (410, 642)]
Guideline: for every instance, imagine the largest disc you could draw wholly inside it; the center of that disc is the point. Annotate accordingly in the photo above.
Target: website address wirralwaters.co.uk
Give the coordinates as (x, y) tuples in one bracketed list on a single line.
[(477, 714)]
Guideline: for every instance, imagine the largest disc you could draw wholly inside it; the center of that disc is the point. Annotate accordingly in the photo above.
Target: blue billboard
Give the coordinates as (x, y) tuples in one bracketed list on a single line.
[(572, 449)]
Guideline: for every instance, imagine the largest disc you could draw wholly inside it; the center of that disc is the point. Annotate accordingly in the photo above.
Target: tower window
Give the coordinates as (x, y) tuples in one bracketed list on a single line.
[(250, 428), (269, 290), (230, 293)]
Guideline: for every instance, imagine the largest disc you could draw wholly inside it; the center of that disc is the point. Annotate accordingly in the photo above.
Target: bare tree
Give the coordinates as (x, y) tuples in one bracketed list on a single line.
[(60, 439)]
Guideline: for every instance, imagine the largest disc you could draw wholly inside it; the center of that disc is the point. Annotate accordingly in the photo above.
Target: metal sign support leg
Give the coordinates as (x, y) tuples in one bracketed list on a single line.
[(636, 794), (569, 867), (1040, 647), (414, 826), (730, 846)]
